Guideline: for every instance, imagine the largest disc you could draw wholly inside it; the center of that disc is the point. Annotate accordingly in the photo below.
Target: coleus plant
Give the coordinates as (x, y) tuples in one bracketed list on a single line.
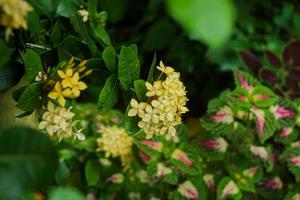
[(280, 72), (255, 133)]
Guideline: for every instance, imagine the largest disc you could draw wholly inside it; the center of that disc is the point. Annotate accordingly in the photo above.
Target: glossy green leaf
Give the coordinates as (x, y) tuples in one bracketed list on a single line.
[(33, 64), (140, 89), (109, 95), (150, 78), (67, 8), (109, 56), (128, 67), (30, 98), (92, 172), (66, 193)]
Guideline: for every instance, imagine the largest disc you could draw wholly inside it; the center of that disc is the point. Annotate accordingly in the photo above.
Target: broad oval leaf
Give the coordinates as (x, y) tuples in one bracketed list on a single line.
[(209, 21), (33, 64), (28, 157), (109, 56), (92, 172), (109, 95), (128, 67), (30, 98)]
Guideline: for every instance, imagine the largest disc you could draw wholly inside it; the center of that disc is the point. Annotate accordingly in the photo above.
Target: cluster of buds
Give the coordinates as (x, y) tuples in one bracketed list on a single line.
[(58, 123), (69, 84), (83, 13), (166, 103), (115, 142), (13, 17)]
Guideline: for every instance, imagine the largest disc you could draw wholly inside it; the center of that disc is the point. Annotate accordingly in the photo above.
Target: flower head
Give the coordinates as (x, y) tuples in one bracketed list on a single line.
[(115, 142), (166, 103), (69, 84), (58, 123), (13, 17)]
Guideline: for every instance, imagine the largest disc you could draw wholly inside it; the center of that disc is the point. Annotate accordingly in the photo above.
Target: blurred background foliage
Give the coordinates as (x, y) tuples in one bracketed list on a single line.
[(199, 38)]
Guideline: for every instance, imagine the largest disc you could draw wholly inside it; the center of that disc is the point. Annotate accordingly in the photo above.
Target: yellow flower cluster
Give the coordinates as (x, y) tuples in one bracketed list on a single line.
[(115, 142), (58, 123), (166, 102), (13, 17), (69, 85)]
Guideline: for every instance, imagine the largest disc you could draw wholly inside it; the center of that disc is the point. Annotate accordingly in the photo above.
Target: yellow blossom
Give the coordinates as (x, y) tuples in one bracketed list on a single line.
[(13, 16), (59, 94), (166, 102), (115, 142), (136, 108), (58, 123)]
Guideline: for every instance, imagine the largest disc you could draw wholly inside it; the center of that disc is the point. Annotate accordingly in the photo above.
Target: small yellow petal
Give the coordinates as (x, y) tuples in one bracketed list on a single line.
[(61, 74), (66, 83), (132, 112), (53, 95), (134, 103), (58, 87), (67, 93), (76, 92), (69, 72), (75, 78), (61, 100), (82, 85)]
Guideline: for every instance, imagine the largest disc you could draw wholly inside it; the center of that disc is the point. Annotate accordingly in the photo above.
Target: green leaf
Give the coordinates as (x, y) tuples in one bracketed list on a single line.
[(128, 67), (65, 193), (5, 53), (33, 64), (34, 25), (92, 7), (263, 97), (209, 21), (45, 7), (288, 155), (28, 159), (134, 47), (269, 126), (72, 46), (67, 8), (62, 173), (18, 92), (109, 95), (101, 34), (140, 89), (57, 33), (92, 172), (150, 78), (109, 56), (81, 28), (29, 99), (130, 123)]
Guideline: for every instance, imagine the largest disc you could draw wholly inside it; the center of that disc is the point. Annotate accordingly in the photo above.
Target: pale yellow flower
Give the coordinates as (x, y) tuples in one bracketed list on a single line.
[(136, 108), (166, 102), (155, 89), (115, 142), (164, 69), (58, 123), (13, 16)]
